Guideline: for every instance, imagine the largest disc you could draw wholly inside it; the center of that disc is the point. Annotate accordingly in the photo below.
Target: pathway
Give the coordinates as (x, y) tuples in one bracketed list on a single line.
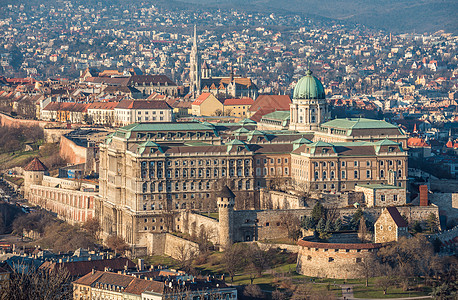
[(347, 293)]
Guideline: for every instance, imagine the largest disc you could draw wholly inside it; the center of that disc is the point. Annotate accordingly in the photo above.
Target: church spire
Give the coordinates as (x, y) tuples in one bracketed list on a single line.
[(194, 72)]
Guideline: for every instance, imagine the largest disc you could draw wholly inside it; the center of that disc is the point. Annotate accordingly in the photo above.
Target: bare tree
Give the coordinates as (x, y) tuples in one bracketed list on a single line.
[(116, 243), (232, 260), (253, 291), (92, 226), (37, 284), (369, 267), (292, 224), (185, 256)]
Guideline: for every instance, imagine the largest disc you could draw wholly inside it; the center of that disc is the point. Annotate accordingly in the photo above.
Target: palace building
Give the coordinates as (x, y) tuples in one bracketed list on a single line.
[(150, 173)]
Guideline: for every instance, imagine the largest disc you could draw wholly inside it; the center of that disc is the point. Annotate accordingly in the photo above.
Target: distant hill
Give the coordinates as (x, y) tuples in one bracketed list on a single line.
[(391, 15)]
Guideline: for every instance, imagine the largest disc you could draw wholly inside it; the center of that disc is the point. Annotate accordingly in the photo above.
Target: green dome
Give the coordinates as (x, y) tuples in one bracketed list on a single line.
[(309, 87)]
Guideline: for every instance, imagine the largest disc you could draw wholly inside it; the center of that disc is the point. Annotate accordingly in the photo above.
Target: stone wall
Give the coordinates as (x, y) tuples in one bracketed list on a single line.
[(444, 185), (71, 152), (448, 206), (192, 223), (340, 261), (382, 197), (171, 245), (6, 120), (178, 248), (53, 135), (280, 200), (286, 247)]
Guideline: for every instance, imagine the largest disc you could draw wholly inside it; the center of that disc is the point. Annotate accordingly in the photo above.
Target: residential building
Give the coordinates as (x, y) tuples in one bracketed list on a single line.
[(131, 111), (207, 105)]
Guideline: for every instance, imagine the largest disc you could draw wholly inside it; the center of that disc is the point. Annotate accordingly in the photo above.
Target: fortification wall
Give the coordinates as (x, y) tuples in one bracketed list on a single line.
[(71, 152), (444, 185), (53, 135), (6, 120), (340, 261), (178, 248), (192, 223)]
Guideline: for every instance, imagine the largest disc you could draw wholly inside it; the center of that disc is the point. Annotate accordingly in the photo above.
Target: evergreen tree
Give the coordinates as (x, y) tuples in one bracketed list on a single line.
[(328, 227), (320, 227), (318, 212), (307, 223), (432, 223), (355, 218), (338, 224)]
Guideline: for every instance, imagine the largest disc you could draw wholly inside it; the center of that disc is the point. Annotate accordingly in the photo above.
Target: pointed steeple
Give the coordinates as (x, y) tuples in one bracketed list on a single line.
[(194, 72)]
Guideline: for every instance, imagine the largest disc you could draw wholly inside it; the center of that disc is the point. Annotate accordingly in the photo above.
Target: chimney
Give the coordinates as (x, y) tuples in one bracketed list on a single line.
[(141, 264), (93, 271), (423, 195)]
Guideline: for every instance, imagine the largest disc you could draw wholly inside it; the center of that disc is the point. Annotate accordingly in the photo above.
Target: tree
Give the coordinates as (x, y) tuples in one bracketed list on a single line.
[(278, 295), (384, 283), (253, 291), (328, 227), (318, 212), (185, 255), (432, 223), (92, 226), (355, 218), (320, 227), (292, 225), (116, 243), (307, 223), (259, 258), (338, 224), (232, 261), (362, 231), (37, 284), (369, 267)]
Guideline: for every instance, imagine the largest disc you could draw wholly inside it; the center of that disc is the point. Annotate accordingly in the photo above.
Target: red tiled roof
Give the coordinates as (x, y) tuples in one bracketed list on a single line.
[(35, 165), (143, 104), (397, 218), (242, 101), (79, 268), (415, 141), (103, 105), (201, 98), (274, 102)]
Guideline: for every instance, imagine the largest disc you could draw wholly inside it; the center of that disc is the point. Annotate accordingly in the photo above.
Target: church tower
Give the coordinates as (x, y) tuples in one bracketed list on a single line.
[(194, 72), (225, 201), (309, 107)]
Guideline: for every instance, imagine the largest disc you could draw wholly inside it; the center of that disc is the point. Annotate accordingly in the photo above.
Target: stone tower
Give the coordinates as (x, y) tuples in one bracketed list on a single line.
[(33, 174), (309, 107), (194, 72), (226, 203)]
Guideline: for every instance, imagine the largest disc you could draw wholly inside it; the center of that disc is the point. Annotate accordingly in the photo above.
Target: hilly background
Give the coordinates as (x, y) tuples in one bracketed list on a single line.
[(391, 15), (397, 16)]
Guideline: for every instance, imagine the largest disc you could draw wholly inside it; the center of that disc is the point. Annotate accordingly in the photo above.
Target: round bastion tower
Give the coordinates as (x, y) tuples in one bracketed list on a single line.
[(225, 201)]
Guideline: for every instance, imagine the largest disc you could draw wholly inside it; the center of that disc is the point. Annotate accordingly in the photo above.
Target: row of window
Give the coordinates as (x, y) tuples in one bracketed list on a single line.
[(200, 162), (357, 163), (355, 174), (184, 186), (198, 173), (271, 160)]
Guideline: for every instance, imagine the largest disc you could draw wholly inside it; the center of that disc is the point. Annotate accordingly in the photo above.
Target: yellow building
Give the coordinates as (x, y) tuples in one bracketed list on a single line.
[(237, 107), (206, 105)]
